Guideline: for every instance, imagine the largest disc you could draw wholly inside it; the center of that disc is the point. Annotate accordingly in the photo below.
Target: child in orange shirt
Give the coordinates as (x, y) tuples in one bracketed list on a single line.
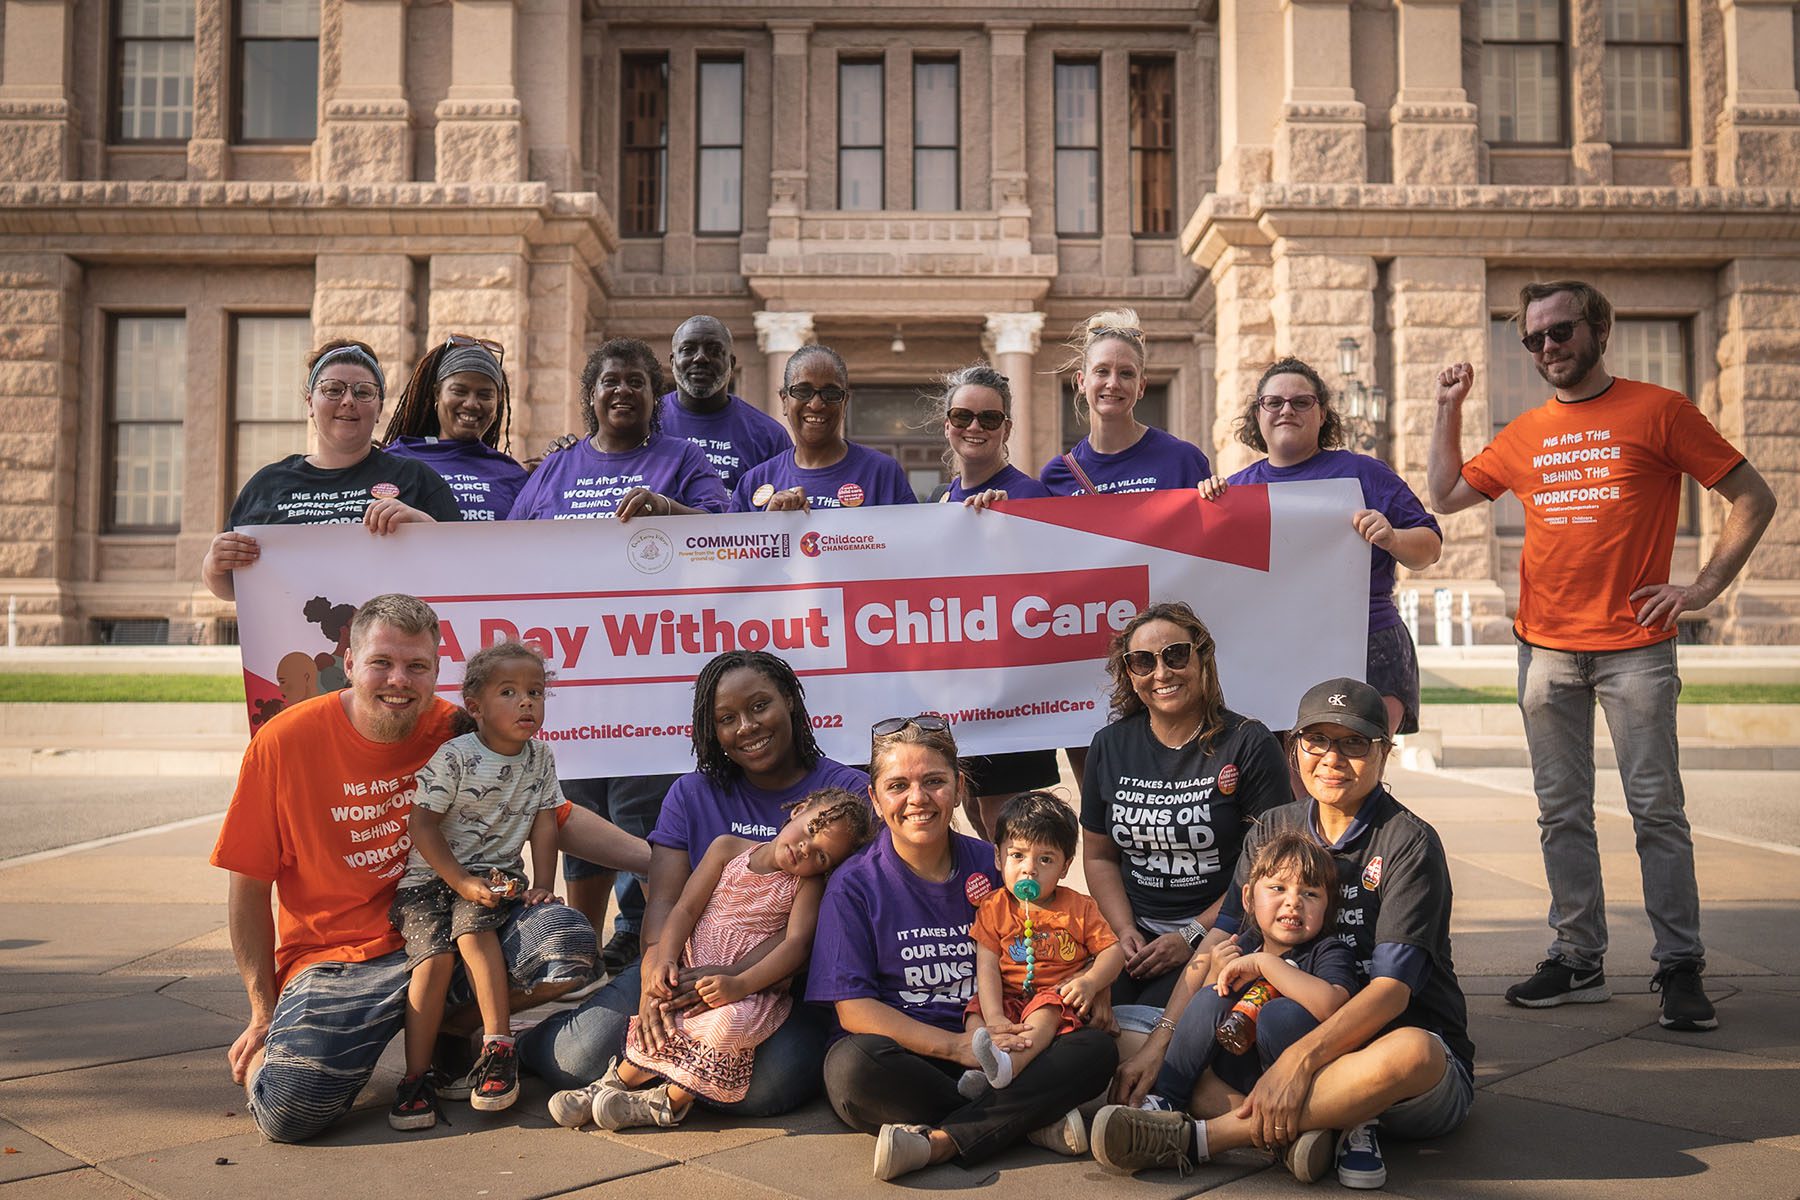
[(1042, 951)]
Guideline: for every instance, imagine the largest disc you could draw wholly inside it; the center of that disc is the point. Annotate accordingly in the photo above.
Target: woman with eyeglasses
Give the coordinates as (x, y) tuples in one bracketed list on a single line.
[(754, 746), (1291, 420), (823, 469), (345, 480), (1397, 1051), (1119, 453), (1169, 789), (451, 416), (894, 956)]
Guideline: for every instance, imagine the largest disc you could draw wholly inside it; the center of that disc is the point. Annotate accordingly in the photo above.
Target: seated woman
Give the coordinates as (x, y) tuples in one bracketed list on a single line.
[(450, 418), (1172, 785), (894, 954), (753, 742), (1398, 1050), (345, 480)]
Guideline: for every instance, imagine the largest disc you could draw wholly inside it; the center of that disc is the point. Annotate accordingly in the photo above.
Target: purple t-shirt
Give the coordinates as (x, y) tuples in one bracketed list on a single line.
[(484, 481), (1015, 483), (862, 478), (581, 483), (1382, 489), (734, 439), (1158, 462), (885, 934), (697, 810)]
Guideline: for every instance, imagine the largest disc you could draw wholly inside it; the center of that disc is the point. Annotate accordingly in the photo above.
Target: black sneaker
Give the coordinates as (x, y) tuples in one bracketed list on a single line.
[(496, 1078), (453, 1058), (1684, 1003), (416, 1104), (1556, 982), (618, 953)]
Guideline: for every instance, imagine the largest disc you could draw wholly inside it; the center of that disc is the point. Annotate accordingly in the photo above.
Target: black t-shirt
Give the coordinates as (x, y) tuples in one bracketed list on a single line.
[(1178, 816), (294, 492), (1393, 888), (1326, 957)]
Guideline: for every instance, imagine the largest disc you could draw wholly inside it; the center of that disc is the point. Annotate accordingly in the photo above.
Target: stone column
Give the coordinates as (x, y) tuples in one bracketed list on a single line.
[(1591, 158), (480, 122), (485, 295), (787, 158), (1320, 136), (1010, 341), (1319, 299), (778, 335), (1759, 376), (1244, 343), (1436, 139), (37, 138), (368, 297), (366, 134), (1438, 312), (1759, 129), (206, 151), (546, 394), (1250, 34), (1006, 79)]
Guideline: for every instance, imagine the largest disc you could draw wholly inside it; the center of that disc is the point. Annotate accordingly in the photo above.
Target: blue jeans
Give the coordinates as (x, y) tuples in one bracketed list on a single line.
[(333, 1019), (572, 1049), (1195, 1047), (1637, 690)]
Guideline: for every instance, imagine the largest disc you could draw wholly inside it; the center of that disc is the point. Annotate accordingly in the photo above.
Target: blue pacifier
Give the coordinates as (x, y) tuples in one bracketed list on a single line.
[(1026, 890)]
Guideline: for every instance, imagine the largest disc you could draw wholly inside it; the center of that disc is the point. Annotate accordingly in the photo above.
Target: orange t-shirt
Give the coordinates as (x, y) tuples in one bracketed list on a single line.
[(1066, 932), (1601, 484), (322, 812)]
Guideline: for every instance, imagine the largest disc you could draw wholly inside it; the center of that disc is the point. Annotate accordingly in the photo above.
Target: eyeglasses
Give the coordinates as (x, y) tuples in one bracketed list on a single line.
[(333, 390), (929, 722), (1559, 333), (1353, 746), (1175, 656), (463, 339), (962, 418), (1274, 404), (802, 393)]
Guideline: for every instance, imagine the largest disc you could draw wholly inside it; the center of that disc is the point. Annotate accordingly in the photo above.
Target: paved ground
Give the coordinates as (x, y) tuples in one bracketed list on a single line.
[(117, 999)]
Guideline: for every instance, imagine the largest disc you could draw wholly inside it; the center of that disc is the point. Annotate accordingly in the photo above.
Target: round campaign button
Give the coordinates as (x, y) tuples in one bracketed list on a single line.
[(976, 888), (763, 495), (385, 491), (850, 495), (1228, 778)]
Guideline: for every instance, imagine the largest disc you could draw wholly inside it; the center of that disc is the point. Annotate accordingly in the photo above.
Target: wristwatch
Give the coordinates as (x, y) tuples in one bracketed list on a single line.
[(1192, 932)]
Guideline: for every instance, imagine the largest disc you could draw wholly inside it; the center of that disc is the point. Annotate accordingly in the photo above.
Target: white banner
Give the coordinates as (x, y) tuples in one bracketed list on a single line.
[(998, 620)]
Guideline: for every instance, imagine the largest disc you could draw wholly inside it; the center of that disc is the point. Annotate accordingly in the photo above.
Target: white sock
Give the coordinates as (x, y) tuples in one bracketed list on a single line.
[(488, 1039), (1201, 1153), (996, 1063)]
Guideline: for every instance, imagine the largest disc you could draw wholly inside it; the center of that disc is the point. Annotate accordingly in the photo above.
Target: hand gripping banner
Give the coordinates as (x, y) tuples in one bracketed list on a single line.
[(997, 620)]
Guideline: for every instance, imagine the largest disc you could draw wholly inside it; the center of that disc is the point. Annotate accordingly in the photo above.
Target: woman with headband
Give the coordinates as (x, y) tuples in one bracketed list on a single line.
[(451, 416), (345, 480)]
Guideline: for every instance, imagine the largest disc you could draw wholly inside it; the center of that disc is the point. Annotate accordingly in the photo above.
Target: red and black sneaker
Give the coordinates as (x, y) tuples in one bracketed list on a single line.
[(496, 1078), (416, 1103)]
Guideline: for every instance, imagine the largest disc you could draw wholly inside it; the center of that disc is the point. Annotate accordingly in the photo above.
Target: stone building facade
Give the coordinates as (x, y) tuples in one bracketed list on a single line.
[(194, 191)]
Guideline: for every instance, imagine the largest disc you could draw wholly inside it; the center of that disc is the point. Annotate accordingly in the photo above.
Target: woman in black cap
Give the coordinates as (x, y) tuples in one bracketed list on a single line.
[(343, 481), (455, 417), (1398, 1050)]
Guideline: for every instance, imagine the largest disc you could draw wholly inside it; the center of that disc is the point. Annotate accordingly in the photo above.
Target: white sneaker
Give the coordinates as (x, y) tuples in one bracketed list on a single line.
[(901, 1150), (1067, 1137), (614, 1109), (574, 1107)]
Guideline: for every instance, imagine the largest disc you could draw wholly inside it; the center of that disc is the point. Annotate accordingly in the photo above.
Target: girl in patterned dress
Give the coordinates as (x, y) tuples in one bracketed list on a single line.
[(744, 893)]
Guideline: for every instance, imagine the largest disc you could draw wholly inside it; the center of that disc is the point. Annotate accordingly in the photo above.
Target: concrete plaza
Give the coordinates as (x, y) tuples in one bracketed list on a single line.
[(118, 998)]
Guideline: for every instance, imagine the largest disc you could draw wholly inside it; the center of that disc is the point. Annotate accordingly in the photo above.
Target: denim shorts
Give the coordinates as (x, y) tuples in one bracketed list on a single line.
[(1439, 1111), (432, 916)]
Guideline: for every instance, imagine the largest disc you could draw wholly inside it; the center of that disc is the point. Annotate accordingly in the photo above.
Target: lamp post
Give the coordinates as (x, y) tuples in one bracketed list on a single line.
[(1365, 408)]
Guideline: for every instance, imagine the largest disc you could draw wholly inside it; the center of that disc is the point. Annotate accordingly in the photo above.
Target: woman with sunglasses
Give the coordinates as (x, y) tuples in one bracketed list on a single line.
[(1397, 1051), (451, 416), (1291, 420), (1169, 790), (753, 743), (345, 480), (894, 956), (823, 469)]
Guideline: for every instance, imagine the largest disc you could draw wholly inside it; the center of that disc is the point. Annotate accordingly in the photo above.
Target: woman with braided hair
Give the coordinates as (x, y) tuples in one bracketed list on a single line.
[(451, 416)]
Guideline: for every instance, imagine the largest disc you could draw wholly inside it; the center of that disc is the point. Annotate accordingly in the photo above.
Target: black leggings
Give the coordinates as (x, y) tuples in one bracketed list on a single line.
[(873, 1081)]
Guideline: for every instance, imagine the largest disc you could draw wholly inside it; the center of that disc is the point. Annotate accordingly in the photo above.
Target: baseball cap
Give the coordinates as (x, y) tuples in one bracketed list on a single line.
[(1347, 702)]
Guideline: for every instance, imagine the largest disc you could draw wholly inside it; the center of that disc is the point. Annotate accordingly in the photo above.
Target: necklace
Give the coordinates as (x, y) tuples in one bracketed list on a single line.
[(1027, 891)]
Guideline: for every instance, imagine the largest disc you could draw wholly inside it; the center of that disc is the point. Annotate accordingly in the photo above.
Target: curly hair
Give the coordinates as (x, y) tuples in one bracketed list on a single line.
[(1295, 850), (1125, 702), (713, 762), (1331, 428), (634, 353), (1038, 819), (416, 414), (332, 619), (480, 672), (830, 805)]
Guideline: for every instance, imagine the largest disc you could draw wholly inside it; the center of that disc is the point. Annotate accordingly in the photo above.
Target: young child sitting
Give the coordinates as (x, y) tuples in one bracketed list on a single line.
[(1289, 897), (1042, 951), (479, 799), (742, 893)]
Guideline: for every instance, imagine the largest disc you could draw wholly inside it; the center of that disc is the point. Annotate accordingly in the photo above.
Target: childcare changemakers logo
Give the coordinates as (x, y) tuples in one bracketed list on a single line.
[(814, 544), (650, 551)]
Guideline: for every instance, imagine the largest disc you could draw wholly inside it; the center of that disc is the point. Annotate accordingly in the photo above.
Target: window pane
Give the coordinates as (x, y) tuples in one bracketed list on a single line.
[(156, 18), (271, 365), (147, 476), (1078, 191), (1643, 95), (644, 139), (721, 190), (263, 442), (721, 103), (859, 180), (1153, 104), (1521, 94), (278, 19), (280, 88), (935, 104), (934, 181), (156, 90), (1643, 20), (1521, 20), (149, 368), (1513, 387), (1153, 185), (1077, 104), (859, 104), (1652, 351)]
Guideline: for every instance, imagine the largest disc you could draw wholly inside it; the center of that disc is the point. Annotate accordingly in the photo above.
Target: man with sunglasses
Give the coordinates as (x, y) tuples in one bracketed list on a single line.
[(1598, 469)]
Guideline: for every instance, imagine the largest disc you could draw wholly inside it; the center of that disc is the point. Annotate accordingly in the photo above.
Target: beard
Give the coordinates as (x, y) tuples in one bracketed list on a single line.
[(380, 724), (702, 392), (1574, 369)]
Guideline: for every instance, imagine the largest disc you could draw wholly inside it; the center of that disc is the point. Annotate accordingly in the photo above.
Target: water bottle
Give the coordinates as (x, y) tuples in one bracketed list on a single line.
[(1237, 1032)]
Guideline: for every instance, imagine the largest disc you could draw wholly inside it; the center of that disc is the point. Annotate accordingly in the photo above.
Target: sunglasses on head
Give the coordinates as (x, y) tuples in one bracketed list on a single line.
[(1559, 333), (464, 339), (962, 418), (929, 722), (1175, 656), (802, 393)]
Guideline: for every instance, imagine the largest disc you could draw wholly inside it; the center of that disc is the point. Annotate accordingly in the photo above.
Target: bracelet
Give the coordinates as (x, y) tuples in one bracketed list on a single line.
[(1164, 1023)]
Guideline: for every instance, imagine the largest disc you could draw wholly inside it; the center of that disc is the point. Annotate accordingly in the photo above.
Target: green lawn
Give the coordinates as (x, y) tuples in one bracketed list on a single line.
[(117, 689), (1693, 693)]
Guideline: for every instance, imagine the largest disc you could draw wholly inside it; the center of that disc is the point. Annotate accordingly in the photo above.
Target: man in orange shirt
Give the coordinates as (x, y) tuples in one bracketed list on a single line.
[(319, 819), (1598, 468)]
